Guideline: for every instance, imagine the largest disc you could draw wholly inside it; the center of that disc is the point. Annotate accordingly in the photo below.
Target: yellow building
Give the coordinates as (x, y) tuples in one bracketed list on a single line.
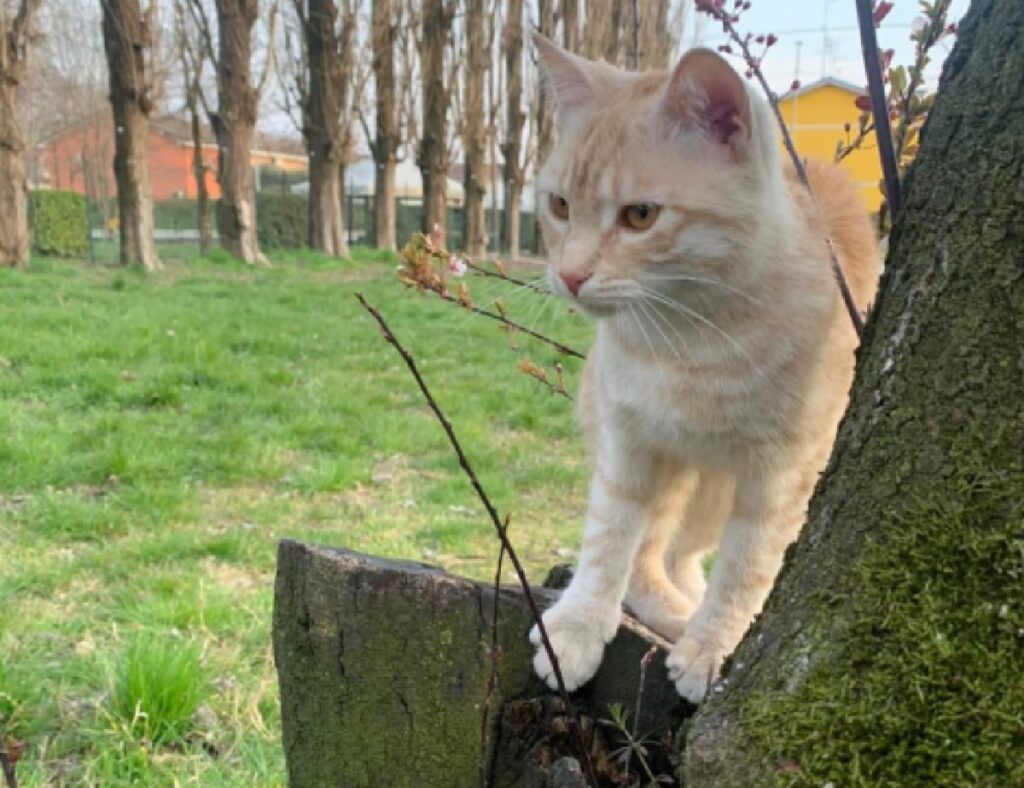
[(816, 115)]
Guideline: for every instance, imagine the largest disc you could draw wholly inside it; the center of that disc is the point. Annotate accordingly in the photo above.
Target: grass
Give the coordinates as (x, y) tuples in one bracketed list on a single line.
[(163, 432)]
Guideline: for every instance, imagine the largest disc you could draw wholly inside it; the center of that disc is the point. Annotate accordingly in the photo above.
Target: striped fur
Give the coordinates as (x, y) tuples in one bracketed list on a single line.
[(723, 356)]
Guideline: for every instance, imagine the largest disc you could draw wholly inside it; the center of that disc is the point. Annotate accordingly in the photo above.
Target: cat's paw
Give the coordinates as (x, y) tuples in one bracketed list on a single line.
[(578, 634), (694, 664)]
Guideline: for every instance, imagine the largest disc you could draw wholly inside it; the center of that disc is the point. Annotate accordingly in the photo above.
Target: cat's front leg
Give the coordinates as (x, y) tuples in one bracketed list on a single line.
[(769, 510), (587, 615)]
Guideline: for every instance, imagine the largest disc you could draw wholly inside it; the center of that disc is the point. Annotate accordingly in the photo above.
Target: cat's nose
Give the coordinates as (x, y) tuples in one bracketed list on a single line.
[(574, 280)]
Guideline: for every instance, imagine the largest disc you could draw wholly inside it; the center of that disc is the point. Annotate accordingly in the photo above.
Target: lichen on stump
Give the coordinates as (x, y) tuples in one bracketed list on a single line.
[(384, 665)]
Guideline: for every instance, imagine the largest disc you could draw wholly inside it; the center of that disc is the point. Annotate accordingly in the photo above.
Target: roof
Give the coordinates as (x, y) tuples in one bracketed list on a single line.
[(827, 82), (179, 129)]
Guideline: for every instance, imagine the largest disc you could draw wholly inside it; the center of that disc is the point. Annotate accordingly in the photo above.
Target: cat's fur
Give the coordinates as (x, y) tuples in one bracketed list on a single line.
[(710, 400)]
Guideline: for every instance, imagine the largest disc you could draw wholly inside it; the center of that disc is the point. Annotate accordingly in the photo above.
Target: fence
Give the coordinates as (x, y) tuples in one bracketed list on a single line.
[(177, 234)]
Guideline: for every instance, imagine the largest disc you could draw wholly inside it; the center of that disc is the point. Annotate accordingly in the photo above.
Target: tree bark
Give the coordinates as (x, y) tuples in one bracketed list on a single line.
[(14, 230), (387, 137), (515, 118), (890, 651), (234, 125), (571, 25), (203, 218), (433, 154), (127, 40), (474, 139), (330, 72)]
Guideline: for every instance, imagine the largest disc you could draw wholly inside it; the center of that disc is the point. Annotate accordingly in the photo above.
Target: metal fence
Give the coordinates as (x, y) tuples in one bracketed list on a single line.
[(177, 226)]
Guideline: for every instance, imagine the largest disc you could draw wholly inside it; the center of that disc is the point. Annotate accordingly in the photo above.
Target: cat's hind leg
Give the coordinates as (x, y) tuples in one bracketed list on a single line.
[(699, 533)]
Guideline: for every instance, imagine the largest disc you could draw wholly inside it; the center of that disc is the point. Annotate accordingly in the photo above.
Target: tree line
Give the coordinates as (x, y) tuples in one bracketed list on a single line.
[(441, 82)]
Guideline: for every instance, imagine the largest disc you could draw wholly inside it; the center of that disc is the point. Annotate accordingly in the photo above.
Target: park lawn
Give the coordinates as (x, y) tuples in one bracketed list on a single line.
[(160, 434)]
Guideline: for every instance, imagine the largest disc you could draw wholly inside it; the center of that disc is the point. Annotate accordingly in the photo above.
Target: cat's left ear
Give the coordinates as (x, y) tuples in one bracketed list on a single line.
[(706, 92)]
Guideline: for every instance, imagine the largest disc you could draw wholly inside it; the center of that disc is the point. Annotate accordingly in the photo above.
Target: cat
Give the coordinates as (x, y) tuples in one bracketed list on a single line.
[(723, 354)]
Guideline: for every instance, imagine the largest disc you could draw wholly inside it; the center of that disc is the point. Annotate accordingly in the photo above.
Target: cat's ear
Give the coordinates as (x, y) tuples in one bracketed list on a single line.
[(706, 92), (570, 81)]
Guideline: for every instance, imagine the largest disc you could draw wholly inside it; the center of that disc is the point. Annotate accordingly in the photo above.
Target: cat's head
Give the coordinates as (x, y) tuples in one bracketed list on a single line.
[(656, 182)]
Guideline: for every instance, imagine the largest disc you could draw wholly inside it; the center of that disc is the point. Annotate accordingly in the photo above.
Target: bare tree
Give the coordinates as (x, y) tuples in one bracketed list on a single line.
[(432, 155), (192, 59), (234, 121), (512, 43), (329, 44), (571, 25), (14, 41), (128, 42), (385, 142), (473, 131)]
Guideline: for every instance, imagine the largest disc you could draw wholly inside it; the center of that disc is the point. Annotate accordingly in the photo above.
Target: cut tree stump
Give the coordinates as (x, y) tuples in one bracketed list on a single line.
[(384, 665)]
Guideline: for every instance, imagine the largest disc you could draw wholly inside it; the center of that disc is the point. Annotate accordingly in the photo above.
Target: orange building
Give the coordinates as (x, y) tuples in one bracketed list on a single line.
[(81, 158)]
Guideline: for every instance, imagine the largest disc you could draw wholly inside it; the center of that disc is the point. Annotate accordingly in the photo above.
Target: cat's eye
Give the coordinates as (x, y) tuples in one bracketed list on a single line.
[(559, 207), (640, 216)]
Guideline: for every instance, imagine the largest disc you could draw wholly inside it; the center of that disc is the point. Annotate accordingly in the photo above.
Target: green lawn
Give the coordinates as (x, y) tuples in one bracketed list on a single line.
[(161, 433)]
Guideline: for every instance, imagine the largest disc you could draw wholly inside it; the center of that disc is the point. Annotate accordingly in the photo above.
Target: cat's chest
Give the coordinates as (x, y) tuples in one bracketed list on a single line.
[(706, 410)]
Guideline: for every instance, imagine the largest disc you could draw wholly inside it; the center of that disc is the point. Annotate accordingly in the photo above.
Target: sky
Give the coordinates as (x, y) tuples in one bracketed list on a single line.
[(820, 38)]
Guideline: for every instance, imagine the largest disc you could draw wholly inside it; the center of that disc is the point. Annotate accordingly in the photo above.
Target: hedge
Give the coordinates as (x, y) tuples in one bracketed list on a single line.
[(282, 221), (60, 223)]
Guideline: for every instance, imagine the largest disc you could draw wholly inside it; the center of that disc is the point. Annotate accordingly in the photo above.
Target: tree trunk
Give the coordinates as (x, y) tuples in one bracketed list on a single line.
[(571, 25), (126, 39), (330, 59), (234, 125), (14, 232), (384, 668), (473, 140), (387, 139), (433, 155), (515, 118), (891, 651), (655, 36), (203, 219)]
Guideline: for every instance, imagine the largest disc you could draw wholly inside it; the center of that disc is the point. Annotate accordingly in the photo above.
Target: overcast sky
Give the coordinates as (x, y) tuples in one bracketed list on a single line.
[(820, 38)]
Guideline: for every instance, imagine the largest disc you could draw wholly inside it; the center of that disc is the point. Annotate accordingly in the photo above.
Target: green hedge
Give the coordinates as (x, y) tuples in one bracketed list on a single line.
[(282, 221), (60, 223)]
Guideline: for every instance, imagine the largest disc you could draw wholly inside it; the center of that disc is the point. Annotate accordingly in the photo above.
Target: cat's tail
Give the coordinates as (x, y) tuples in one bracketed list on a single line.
[(850, 226)]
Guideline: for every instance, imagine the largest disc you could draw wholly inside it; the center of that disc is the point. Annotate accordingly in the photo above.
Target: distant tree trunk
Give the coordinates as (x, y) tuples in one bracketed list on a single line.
[(515, 118), (14, 230), (571, 25), (890, 651), (655, 34), (203, 218), (126, 39), (234, 125), (601, 29), (433, 155), (330, 66), (543, 116), (473, 138), (387, 138)]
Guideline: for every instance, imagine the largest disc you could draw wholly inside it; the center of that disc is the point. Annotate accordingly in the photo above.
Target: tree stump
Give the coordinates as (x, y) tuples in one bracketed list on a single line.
[(384, 668)]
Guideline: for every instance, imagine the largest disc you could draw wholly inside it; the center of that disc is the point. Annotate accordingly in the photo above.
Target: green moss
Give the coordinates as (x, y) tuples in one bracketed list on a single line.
[(922, 681)]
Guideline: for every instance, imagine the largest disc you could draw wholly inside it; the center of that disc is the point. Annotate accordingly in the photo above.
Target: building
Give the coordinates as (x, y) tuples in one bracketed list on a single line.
[(816, 115), (80, 158)]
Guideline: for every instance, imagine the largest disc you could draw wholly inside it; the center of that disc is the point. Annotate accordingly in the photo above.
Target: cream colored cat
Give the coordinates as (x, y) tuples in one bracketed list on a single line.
[(723, 356)]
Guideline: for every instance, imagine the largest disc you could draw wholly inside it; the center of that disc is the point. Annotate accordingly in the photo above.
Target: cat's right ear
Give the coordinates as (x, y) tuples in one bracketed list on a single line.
[(567, 79)]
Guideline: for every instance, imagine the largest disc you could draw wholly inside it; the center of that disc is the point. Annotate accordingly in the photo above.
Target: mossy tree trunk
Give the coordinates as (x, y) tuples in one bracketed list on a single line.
[(891, 650)]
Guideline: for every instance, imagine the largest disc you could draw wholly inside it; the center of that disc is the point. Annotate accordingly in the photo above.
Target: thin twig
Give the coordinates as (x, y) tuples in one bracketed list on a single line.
[(410, 362), (709, 7), (495, 655), (879, 106), (505, 277), (446, 296)]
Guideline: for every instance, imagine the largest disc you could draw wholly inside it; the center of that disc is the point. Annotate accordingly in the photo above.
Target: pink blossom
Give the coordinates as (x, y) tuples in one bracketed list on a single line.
[(456, 265)]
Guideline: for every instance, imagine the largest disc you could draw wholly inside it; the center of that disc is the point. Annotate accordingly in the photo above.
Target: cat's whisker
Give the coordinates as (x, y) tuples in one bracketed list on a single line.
[(685, 310), (652, 310), (640, 326), (699, 280)]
